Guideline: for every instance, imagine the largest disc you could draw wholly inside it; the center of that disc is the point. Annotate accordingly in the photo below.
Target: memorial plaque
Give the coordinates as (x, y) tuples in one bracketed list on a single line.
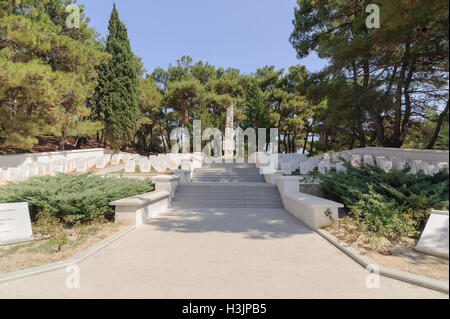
[(434, 239), (15, 223)]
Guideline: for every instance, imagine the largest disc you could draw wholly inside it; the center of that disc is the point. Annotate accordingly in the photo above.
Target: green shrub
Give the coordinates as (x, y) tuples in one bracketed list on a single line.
[(53, 227), (73, 198), (391, 204)]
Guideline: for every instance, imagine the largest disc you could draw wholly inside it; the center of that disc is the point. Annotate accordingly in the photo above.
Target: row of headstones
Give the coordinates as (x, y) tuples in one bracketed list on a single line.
[(290, 162), (160, 163), (58, 164), (48, 166), (326, 162)]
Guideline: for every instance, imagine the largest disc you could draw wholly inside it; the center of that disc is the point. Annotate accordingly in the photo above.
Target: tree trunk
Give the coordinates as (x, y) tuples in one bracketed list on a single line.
[(306, 142), (62, 141), (438, 127)]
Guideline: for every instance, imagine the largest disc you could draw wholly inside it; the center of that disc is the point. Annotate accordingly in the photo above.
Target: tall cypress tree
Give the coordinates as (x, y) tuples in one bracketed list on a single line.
[(118, 89)]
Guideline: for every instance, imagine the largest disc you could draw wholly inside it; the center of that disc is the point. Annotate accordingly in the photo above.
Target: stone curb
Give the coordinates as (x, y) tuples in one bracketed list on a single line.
[(400, 275), (78, 258)]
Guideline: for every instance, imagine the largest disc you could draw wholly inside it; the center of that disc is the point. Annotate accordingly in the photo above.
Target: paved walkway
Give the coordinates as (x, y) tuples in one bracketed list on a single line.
[(217, 253)]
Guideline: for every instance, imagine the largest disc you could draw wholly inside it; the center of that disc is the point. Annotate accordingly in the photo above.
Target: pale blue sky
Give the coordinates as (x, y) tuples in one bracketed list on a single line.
[(244, 34)]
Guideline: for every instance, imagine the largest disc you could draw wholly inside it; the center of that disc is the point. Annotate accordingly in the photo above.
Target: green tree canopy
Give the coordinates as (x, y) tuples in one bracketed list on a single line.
[(118, 90)]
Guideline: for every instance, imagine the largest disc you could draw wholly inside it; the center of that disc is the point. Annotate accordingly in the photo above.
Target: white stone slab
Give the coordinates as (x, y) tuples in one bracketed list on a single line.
[(324, 166), (115, 159), (368, 160), (398, 163), (130, 166), (82, 165), (91, 162), (43, 168), (102, 161), (15, 224), (434, 239), (356, 160), (384, 164), (186, 166), (34, 170), (145, 166), (340, 167)]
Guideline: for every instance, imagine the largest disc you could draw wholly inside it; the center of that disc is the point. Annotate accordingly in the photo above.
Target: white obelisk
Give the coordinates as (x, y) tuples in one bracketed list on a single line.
[(228, 145)]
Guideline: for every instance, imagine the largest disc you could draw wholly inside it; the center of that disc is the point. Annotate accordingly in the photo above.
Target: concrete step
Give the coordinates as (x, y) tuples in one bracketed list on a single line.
[(215, 173), (242, 197), (214, 195), (228, 169), (227, 165), (227, 180), (224, 205)]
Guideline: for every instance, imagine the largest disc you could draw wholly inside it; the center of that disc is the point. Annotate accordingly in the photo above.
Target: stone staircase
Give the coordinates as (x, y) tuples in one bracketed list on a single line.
[(228, 173), (227, 186)]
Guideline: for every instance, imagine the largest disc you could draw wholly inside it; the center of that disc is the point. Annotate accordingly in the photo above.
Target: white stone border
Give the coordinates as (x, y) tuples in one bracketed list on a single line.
[(78, 258), (400, 275)]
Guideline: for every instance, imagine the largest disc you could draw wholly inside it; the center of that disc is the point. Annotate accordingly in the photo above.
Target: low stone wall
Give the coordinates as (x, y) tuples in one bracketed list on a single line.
[(311, 189), (432, 156)]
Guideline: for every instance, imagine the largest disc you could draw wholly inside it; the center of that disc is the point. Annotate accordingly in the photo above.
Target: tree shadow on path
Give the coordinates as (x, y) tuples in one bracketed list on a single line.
[(253, 223)]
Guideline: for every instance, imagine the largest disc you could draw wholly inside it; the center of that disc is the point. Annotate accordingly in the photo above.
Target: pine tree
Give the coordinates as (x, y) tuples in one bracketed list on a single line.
[(256, 110), (47, 71), (118, 89)]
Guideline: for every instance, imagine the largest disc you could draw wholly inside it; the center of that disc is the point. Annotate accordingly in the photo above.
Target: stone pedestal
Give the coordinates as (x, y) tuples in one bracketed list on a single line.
[(167, 183)]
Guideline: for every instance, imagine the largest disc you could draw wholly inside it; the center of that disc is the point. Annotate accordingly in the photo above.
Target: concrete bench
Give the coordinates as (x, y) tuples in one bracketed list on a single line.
[(314, 211), (139, 209), (311, 210)]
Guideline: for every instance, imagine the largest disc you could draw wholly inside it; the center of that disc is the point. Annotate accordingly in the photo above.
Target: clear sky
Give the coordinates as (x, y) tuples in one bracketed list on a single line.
[(244, 34)]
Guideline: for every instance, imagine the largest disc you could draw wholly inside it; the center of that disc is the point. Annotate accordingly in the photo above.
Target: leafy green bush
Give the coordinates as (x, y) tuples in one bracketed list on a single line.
[(391, 204), (53, 227), (73, 198)]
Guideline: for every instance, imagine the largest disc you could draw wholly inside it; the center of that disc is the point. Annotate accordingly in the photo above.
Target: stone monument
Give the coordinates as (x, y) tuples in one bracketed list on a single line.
[(15, 224), (228, 145)]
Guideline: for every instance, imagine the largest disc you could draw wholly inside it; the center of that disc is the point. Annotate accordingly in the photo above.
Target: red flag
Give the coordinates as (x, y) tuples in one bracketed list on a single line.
[(186, 118)]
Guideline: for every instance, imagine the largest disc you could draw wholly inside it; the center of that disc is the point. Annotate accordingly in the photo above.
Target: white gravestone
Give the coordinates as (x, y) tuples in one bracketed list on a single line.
[(115, 159), (398, 163), (340, 167), (145, 166), (15, 224), (34, 170), (385, 165), (186, 166), (43, 169), (368, 160), (324, 166), (356, 160), (434, 239), (130, 166), (81, 165)]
